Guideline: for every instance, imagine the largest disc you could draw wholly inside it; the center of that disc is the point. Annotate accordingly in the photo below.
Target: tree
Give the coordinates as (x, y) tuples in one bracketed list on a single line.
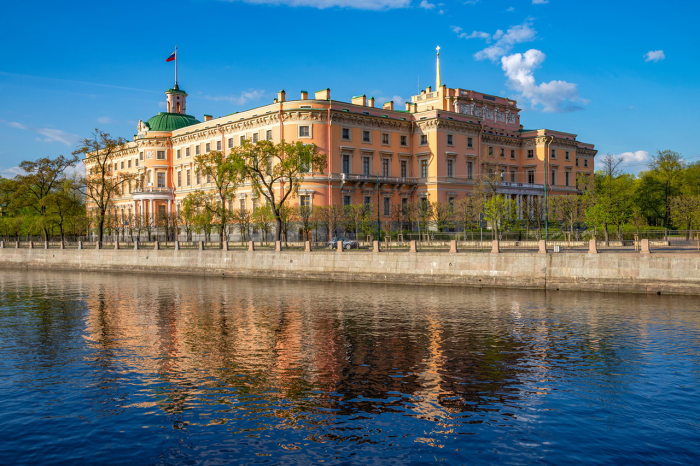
[(567, 208), (225, 174), (187, 215), (35, 189), (685, 212), (441, 215), (287, 216), (65, 203), (275, 171), (499, 211), (262, 218), (304, 215), (102, 184), (667, 167), (467, 211), (609, 203), (242, 218)]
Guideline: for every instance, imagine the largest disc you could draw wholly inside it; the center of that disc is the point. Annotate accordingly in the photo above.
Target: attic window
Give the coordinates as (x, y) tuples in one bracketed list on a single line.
[(346, 110), (385, 116), (365, 113), (305, 106)]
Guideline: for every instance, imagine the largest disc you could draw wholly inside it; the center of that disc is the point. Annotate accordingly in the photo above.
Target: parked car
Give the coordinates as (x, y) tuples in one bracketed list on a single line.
[(347, 243)]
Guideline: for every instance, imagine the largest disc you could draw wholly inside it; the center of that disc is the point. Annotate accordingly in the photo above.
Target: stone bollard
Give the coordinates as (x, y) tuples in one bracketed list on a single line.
[(17, 244), (46, 245), (201, 245), (251, 246), (495, 247), (98, 244), (177, 245), (453, 246), (116, 244), (278, 246), (156, 245), (31, 245), (224, 245), (2, 245), (593, 246), (375, 246), (339, 246), (80, 245), (412, 246), (136, 245), (645, 246), (543, 246), (307, 246)]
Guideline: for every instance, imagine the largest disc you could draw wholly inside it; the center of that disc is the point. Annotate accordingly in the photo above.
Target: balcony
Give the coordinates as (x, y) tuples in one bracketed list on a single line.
[(364, 179), (151, 189)]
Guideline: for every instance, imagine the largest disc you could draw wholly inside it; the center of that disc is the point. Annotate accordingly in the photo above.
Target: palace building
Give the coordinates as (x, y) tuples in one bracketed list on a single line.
[(435, 147)]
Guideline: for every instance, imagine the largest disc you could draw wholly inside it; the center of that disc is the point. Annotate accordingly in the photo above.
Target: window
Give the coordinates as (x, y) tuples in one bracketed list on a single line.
[(423, 139), (577, 161), (385, 167), (554, 153), (241, 204), (268, 135), (346, 133), (531, 176), (424, 168), (385, 138), (566, 155), (179, 179), (554, 177), (387, 206), (255, 137), (404, 203), (530, 153), (218, 145), (121, 165), (161, 208), (305, 200), (188, 178), (450, 173), (346, 164), (566, 178), (367, 201), (199, 176), (115, 166), (365, 166), (451, 203), (450, 140), (502, 174), (161, 180), (255, 205), (241, 140), (346, 201), (490, 149), (469, 170), (512, 176), (230, 143), (207, 148), (470, 142), (503, 152), (140, 155), (366, 136), (128, 163), (512, 153), (404, 140), (197, 149), (160, 155), (187, 152), (585, 162), (208, 177), (404, 169), (136, 162), (303, 131), (178, 154)]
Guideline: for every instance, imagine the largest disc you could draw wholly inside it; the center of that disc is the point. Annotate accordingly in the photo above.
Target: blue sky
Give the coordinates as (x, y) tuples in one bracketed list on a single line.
[(623, 75)]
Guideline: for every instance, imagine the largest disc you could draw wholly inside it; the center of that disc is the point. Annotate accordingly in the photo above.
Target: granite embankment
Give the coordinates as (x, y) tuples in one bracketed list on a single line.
[(612, 272)]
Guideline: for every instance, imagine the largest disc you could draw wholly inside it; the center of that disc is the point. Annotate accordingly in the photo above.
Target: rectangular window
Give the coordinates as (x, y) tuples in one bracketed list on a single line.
[(346, 133), (503, 152), (197, 149), (241, 204), (121, 165), (530, 153), (423, 139), (115, 166), (424, 168), (512, 153), (178, 154), (268, 135), (305, 200), (566, 155), (385, 138), (450, 174), (230, 143), (365, 136), (450, 140), (207, 148), (577, 161), (346, 201), (129, 163), (451, 203), (566, 178), (160, 155), (585, 162), (404, 169), (188, 178), (241, 140), (346, 164), (208, 177), (218, 145), (531, 176), (404, 140), (140, 155), (470, 142), (187, 152), (387, 206), (255, 137), (385, 167), (255, 205), (365, 166), (303, 131), (554, 153), (179, 179), (136, 162), (469, 170), (554, 177), (161, 180), (367, 201), (490, 151), (512, 176), (199, 176)]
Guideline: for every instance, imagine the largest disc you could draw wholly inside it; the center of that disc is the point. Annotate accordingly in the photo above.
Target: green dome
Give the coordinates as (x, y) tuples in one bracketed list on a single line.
[(170, 121)]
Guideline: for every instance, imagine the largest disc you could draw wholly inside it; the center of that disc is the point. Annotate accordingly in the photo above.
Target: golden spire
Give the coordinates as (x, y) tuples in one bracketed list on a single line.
[(438, 82)]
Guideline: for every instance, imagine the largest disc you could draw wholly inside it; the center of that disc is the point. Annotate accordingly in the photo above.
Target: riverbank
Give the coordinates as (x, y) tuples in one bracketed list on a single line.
[(665, 273)]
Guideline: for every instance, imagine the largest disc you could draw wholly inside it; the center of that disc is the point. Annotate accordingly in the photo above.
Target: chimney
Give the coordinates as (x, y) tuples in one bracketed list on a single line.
[(388, 105), (281, 96), (274, 100), (370, 102), (408, 106), (323, 94), (429, 89), (304, 95), (360, 100), (207, 117)]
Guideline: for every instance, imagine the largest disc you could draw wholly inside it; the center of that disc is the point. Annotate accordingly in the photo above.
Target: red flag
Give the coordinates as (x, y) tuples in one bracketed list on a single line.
[(172, 56)]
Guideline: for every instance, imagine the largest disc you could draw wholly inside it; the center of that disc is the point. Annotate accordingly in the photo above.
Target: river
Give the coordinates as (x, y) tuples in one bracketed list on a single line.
[(152, 369)]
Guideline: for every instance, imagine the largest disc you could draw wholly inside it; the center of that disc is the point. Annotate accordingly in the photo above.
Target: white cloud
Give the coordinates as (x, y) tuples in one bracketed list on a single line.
[(397, 99), (510, 8), (539, 2), (105, 120), (162, 105), (554, 96), (10, 172), (323, 4), (636, 157), (504, 41), (427, 5), (654, 55), (245, 96), (50, 134), (78, 169)]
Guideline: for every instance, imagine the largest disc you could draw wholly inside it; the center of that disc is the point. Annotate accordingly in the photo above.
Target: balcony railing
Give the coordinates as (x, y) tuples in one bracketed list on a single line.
[(151, 189), (382, 179), (510, 184)]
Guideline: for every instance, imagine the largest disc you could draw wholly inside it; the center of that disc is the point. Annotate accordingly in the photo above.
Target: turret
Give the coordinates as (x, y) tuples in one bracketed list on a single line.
[(176, 100)]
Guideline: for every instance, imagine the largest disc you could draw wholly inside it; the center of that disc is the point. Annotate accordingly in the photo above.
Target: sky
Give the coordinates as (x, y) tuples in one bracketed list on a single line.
[(622, 75)]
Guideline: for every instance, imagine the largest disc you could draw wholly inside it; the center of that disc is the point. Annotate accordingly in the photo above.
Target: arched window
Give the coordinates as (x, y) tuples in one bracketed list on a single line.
[(178, 107), (169, 104)]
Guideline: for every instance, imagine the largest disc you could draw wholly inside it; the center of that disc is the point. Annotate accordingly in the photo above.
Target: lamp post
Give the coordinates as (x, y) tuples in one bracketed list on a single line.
[(378, 230)]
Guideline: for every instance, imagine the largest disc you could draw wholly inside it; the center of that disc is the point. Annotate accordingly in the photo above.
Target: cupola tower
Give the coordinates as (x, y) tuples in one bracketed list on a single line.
[(176, 100)]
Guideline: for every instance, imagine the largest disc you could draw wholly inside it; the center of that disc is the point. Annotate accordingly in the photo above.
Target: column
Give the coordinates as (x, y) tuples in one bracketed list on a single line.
[(151, 213)]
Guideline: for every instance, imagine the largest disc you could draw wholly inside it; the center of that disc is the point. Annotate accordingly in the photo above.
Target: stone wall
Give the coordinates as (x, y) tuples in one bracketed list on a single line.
[(616, 272)]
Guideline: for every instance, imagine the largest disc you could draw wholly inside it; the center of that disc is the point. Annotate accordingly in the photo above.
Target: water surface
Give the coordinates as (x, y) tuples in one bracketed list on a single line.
[(141, 369)]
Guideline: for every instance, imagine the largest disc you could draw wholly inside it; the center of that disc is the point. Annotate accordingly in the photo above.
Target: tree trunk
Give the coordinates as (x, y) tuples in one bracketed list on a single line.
[(278, 226)]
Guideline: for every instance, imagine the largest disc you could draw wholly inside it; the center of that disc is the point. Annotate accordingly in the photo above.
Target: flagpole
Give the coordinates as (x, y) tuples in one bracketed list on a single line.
[(176, 66)]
